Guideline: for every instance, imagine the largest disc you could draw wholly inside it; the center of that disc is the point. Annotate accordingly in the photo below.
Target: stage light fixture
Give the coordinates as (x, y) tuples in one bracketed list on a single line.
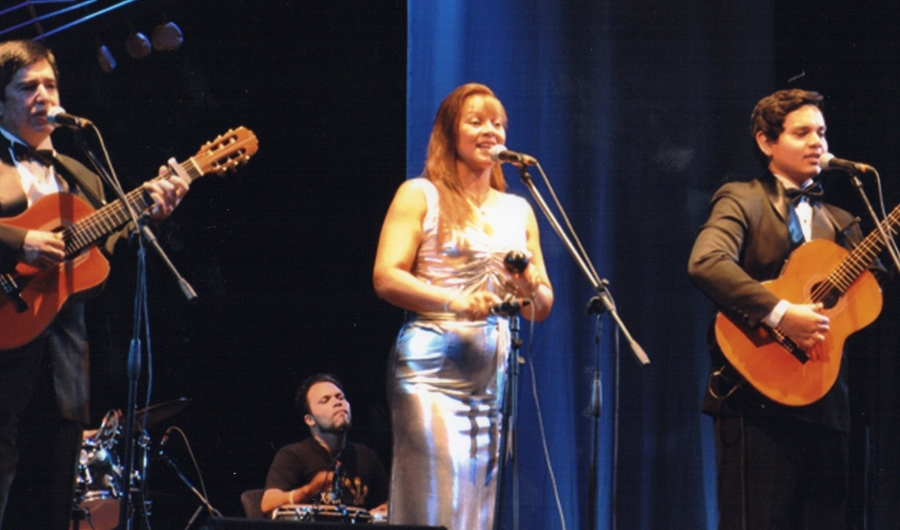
[(105, 59), (138, 45), (167, 37)]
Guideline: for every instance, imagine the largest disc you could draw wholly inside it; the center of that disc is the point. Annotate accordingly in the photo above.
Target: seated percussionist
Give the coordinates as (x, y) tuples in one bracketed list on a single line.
[(325, 468)]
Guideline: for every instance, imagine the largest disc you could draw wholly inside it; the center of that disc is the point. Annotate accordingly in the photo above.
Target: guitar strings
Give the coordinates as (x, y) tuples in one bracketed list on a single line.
[(851, 267), (84, 233)]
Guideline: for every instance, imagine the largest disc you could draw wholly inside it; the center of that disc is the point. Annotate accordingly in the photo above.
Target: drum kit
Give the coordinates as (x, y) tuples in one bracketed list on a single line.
[(99, 482), (319, 513)]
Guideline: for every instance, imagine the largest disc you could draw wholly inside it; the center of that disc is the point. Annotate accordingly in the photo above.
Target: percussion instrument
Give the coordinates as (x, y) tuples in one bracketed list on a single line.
[(322, 513), (98, 485)]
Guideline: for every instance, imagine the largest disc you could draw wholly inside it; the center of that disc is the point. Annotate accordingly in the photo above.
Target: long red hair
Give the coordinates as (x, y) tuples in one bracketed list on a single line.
[(440, 162)]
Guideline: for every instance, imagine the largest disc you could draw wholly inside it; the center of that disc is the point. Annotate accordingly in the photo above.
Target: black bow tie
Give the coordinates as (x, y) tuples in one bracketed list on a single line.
[(26, 153), (813, 193)]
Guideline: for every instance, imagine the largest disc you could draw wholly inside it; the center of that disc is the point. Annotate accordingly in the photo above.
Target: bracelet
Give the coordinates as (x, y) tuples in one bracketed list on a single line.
[(291, 497)]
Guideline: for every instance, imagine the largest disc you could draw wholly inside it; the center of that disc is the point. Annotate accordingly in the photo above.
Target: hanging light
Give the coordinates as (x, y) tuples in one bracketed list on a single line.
[(167, 37), (105, 59), (138, 45)]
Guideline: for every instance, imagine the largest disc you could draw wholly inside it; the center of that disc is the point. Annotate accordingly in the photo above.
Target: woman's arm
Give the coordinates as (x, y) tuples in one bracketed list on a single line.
[(533, 284)]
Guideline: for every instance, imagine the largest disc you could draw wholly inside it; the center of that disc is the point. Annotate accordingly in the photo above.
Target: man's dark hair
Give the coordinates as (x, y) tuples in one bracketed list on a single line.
[(301, 403), (770, 112), (16, 54)]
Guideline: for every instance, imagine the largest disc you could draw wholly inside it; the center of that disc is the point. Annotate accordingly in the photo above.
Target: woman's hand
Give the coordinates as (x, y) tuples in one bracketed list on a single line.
[(473, 306)]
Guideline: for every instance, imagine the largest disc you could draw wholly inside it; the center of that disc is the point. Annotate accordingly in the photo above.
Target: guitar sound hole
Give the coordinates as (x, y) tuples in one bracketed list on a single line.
[(830, 298)]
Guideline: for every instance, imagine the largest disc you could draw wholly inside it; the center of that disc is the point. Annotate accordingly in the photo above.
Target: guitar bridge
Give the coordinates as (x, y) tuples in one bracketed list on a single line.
[(791, 346), (12, 290)]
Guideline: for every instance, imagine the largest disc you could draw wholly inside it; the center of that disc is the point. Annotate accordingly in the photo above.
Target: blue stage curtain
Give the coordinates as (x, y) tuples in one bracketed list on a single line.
[(637, 111)]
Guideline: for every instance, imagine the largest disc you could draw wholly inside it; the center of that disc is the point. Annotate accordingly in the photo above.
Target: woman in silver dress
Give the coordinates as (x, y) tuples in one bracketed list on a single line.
[(441, 257)]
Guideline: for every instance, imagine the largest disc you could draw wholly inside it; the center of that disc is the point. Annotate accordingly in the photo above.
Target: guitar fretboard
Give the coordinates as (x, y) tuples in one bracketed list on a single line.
[(115, 215), (860, 259)]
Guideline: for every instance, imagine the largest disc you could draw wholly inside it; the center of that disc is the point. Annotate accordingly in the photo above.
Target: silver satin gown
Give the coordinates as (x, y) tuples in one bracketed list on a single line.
[(447, 378)]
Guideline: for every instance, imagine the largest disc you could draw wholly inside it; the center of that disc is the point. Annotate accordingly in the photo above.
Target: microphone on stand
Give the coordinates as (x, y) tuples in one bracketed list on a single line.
[(322, 495), (336, 496), (59, 116), (829, 161), (509, 306), (499, 153), (164, 441), (516, 262)]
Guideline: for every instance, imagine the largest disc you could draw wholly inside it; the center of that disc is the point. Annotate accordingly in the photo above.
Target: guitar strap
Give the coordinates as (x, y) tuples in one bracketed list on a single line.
[(723, 382)]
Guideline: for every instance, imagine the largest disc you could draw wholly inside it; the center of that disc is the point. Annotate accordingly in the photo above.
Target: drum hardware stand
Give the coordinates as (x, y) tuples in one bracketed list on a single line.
[(194, 517), (201, 496), (79, 513), (601, 301)]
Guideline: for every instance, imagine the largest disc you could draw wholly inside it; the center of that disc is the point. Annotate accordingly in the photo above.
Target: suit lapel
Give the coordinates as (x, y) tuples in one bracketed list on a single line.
[(12, 194), (78, 176), (824, 225), (775, 193)]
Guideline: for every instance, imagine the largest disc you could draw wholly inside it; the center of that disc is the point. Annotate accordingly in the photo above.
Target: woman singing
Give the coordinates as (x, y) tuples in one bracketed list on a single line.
[(441, 257)]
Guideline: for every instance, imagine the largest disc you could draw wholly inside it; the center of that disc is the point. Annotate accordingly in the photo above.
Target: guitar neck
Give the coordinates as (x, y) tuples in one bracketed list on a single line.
[(864, 255), (115, 215)]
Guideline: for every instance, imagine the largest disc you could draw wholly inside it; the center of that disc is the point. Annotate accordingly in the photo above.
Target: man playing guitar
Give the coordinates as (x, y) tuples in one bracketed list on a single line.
[(782, 463), (44, 384)]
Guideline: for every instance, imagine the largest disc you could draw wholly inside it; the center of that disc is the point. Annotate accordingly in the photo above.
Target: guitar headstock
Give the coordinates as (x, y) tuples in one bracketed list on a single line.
[(227, 151)]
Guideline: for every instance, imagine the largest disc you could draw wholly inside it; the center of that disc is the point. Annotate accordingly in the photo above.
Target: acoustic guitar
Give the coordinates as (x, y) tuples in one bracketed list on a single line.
[(818, 271), (30, 297)]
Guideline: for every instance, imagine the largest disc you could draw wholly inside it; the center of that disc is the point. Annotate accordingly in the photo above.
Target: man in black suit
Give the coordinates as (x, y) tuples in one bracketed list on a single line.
[(44, 384), (778, 466)]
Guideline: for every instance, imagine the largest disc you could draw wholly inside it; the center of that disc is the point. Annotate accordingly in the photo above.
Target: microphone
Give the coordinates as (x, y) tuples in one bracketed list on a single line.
[(323, 496), (829, 161), (499, 153), (336, 484), (508, 307), (164, 441), (59, 116), (516, 261)]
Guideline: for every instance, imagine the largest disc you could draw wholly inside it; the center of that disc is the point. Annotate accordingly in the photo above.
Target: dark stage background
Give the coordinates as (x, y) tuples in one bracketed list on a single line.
[(638, 111)]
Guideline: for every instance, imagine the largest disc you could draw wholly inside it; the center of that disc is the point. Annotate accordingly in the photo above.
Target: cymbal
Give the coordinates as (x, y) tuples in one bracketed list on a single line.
[(161, 411)]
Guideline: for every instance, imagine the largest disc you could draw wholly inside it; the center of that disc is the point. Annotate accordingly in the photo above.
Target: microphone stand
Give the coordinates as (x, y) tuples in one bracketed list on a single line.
[(601, 302), (509, 439), (140, 309), (888, 242), (603, 299), (190, 485)]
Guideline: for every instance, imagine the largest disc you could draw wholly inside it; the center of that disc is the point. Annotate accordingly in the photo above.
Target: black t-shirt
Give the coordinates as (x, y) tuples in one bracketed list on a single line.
[(364, 481)]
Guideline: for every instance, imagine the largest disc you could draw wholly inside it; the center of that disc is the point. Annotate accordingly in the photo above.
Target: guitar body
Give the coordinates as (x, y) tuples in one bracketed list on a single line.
[(770, 367), (46, 290)]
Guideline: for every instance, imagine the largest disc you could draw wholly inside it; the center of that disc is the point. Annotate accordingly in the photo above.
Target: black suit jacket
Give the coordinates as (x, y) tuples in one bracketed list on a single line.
[(746, 241), (64, 342)]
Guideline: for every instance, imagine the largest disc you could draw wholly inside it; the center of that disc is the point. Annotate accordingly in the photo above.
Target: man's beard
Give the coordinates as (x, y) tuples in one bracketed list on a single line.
[(337, 428)]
